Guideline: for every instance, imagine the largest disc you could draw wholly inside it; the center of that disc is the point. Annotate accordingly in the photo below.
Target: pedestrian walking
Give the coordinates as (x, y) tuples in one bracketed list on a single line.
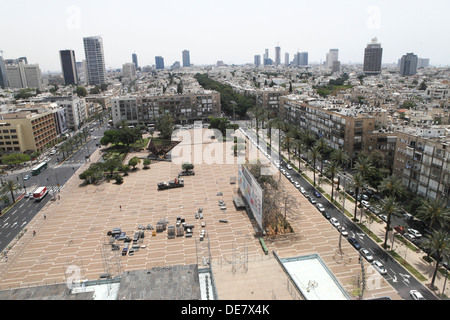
[(120, 208), (45, 217)]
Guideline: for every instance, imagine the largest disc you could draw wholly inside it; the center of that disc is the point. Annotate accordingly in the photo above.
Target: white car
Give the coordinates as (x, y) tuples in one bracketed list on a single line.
[(415, 233), (297, 184), (289, 167), (335, 222), (416, 295), (343, 231), (365, 203), (366, 254), (302, 190), (320, 207), (287, 175), (379, 267)]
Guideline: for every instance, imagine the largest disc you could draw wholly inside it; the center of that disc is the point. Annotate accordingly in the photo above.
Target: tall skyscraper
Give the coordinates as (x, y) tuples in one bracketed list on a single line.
[(423, 63), (277, 55), (332, 55), (286, 59), (303, 58), (266, 55), (159, 62), (186, 58), (372, 58), (129, 71), (33, 76), (23, 75), (257, 60), (95, 60), (135, 61), (3, 78), (69, 66), (408, 64)]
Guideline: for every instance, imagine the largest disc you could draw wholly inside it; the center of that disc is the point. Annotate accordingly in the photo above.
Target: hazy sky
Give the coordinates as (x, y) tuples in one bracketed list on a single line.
[(229, 30)]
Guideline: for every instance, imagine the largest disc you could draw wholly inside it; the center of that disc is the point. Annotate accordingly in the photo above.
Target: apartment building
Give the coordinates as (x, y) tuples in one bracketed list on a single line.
[(75, 109), (342, 127), (27, 131), (182, 107), (269, 99), (422, 162)]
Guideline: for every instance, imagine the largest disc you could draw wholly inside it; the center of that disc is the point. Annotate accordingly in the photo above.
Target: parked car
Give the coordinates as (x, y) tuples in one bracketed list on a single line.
[(414, 232), (399, 229), (326, 215), (320, 207), (302, 190), (317, 194), (343, 231), (354, 243), (379, 267), (26, 177), (366, 254), (334, 222), (416, 295), (365, 203), (410, 237), (289, 167), (311, 199)]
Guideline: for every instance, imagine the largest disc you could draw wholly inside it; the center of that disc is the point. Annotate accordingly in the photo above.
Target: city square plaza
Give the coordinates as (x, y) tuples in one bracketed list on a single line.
[(74, 232)]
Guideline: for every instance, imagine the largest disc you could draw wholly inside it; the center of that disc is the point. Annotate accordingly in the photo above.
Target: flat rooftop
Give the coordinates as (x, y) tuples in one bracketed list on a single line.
[(314, 279)]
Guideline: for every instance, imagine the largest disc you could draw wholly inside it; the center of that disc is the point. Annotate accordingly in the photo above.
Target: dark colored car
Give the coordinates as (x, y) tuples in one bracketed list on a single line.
[(326, 215), (354, 243), (317, 194)]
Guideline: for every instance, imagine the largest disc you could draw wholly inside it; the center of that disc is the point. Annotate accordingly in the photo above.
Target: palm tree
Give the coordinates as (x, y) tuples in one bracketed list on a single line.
[(11, 186), (288, 139), (390, 208), (322, 144), (358, 183), (258, 113), (333, 170), (298, 145), (434, 212), (364, 166), (439, 245), (392, 185), (341, 157), (315, 155)]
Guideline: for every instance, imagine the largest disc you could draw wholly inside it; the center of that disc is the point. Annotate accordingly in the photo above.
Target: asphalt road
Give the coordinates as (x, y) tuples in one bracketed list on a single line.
[(54, 178), (400, 279)]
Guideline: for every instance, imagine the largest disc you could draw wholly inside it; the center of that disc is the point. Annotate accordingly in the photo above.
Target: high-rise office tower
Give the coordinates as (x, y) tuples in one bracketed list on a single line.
[(135, 61), (332, 55), (69, 66), (423, 63), (159, 62), (3, 78), (372, 58), (286, 59), (408, 64), (33, 76), (95, 60), (303, 58), (266, 55), (129, 71), (257, 60), (277, 55), (23, 75), (186, 58)]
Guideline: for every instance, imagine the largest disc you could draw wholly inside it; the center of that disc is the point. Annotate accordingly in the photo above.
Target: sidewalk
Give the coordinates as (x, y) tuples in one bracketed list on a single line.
[(413, 258)]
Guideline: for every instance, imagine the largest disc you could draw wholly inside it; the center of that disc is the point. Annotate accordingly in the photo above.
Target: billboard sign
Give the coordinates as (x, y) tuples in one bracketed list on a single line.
[(252, 192)]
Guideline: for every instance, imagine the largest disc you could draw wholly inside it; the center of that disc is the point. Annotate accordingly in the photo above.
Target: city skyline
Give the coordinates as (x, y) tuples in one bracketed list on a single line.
[(233, 32)]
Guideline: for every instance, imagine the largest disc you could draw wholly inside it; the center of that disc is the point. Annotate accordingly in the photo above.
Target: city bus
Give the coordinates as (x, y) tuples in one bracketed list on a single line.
[(39, 168)]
